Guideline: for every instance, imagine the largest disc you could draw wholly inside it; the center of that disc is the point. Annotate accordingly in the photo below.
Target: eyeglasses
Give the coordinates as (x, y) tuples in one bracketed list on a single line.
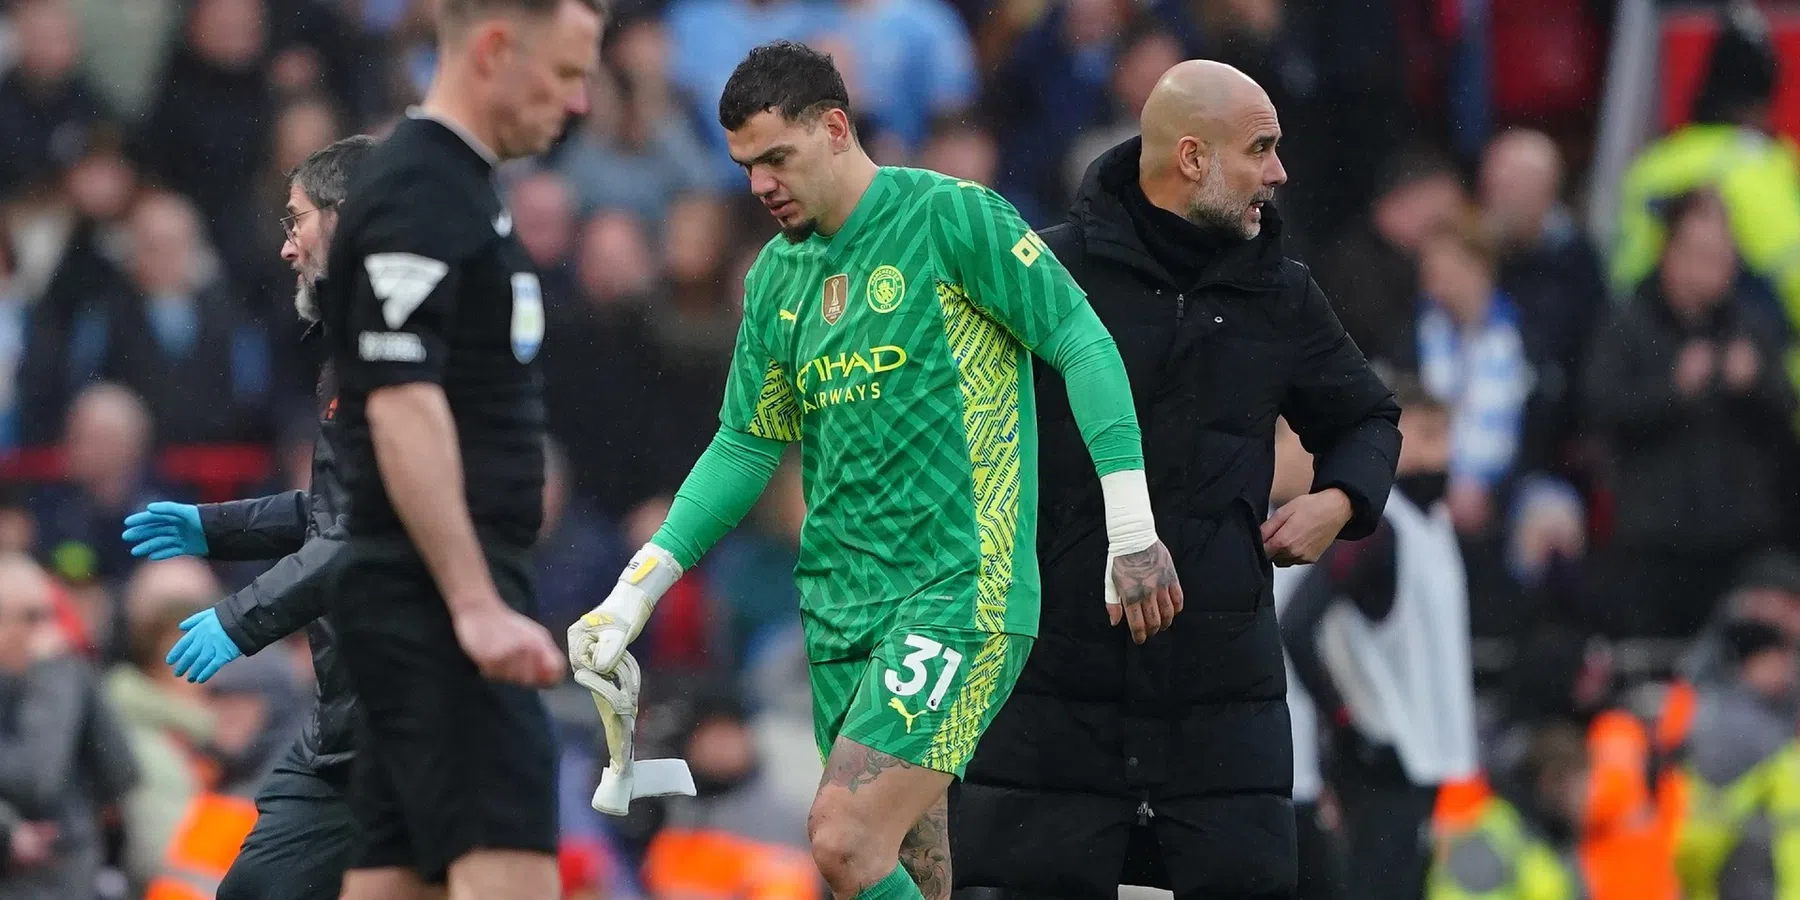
[(290, 224)]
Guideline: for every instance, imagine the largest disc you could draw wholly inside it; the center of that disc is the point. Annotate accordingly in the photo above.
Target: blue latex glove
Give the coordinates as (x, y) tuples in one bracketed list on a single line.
[(204, 649), (165, 530)]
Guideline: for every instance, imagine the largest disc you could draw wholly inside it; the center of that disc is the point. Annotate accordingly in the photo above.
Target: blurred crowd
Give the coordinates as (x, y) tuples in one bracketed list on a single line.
[(1624, 418)]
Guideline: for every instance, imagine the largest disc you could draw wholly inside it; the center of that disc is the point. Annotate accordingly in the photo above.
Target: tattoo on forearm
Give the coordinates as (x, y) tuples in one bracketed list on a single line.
[(1141, 574), (852, 765), (926, 852)]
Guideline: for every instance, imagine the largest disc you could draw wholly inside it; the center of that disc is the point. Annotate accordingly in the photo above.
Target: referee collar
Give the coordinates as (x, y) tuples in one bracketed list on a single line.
[(419, 112)]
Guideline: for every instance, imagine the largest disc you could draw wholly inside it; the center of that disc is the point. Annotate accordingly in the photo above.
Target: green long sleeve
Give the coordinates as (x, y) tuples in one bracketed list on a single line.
[(1099, 391), (724, 483)]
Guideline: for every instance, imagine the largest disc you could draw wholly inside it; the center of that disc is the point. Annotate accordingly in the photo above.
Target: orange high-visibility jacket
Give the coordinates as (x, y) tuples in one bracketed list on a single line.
[(207, 841), (1627, 837), (701, 864)]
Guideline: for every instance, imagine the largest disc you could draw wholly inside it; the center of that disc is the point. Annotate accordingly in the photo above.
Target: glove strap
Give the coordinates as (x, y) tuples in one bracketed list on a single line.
[(653, 570)]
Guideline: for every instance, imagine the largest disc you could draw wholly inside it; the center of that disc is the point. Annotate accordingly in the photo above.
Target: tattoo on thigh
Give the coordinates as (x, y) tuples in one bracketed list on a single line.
[(853, 765), (926, 852)]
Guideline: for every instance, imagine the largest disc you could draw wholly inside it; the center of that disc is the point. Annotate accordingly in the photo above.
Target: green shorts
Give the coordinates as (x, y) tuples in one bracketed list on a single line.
[(925, 695)]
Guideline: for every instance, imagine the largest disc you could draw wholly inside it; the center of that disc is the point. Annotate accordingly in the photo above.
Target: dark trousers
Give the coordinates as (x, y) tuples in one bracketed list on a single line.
[(1218, 848), (1321, 857), (1387, 826), (302, 840)]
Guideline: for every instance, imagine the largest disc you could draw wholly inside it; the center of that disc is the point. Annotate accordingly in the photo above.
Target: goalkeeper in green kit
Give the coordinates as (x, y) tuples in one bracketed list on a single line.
[(890, 330)]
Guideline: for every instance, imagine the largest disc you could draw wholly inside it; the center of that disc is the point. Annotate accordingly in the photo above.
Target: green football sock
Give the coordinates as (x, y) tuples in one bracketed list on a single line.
[(896, 886)]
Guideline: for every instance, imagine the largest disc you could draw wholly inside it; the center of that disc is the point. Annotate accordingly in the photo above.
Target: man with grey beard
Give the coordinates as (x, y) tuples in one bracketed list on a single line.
[(1169, 764), (304, 831)]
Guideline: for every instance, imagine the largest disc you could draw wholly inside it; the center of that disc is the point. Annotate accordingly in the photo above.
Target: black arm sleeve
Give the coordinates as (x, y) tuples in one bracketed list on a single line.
[(1345, 416), (1300, 635), (1360, 572), (259, 528), (282, 600)]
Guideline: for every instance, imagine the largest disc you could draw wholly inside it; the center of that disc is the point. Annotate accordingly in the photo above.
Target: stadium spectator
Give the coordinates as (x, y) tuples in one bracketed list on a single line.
[(1469, 354), (1589, 770), (1550, 272), (1392, 610), (319, 50), (913, 61), (961, 148), (638, 150), (1549, 531), (1688, 387), (1727, 147), (166, 717), (18, 527), (1483, 846), (599, 366), (63, 753), (106, 459), (1052, 85), (543, 215), (1767, 591), (1740, 723), (259, 710), (70, 250), (694, 321), (1560, 679), (180, 334), (1264, 39), (125, 49), (213, 125), (1372, 273), (1364, 57), (1144, 55), (45, 103), (577, 549), (706, 40)]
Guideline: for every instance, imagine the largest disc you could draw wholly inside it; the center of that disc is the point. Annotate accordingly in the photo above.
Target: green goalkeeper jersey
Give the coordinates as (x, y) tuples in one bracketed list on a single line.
[(897, 352)]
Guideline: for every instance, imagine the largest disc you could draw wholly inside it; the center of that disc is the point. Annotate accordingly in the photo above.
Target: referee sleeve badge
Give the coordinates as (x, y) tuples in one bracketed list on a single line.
[(402, 281), (527, 316)]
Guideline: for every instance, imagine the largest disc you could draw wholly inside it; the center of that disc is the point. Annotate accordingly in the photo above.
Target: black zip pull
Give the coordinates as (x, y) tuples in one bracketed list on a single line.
[(1180, 306), (1145, 813)]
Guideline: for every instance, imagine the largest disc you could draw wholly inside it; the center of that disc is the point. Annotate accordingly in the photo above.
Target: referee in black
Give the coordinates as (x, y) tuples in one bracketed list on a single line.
[(434, 318)]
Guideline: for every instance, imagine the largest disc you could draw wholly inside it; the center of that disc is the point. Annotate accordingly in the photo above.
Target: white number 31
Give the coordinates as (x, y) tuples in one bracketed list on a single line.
[(924, 650)]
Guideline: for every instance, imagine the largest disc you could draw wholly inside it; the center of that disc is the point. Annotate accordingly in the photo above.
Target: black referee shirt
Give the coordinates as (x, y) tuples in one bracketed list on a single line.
[(426, 282)]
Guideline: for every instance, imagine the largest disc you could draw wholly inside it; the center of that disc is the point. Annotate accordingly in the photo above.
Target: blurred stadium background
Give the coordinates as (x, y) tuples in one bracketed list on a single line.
[(148, 350)]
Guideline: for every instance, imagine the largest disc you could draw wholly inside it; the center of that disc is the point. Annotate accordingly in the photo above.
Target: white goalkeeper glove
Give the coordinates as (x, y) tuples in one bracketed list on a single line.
[(626, 778), (598, 639), (1130, 527)]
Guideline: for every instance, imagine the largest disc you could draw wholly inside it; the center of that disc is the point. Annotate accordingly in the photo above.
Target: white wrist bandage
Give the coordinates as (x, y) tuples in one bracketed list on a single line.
[(1130, 526)]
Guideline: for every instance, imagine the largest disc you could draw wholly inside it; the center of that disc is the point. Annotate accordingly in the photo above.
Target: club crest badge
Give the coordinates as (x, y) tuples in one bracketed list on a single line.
[(836, 297), (887, 287)]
